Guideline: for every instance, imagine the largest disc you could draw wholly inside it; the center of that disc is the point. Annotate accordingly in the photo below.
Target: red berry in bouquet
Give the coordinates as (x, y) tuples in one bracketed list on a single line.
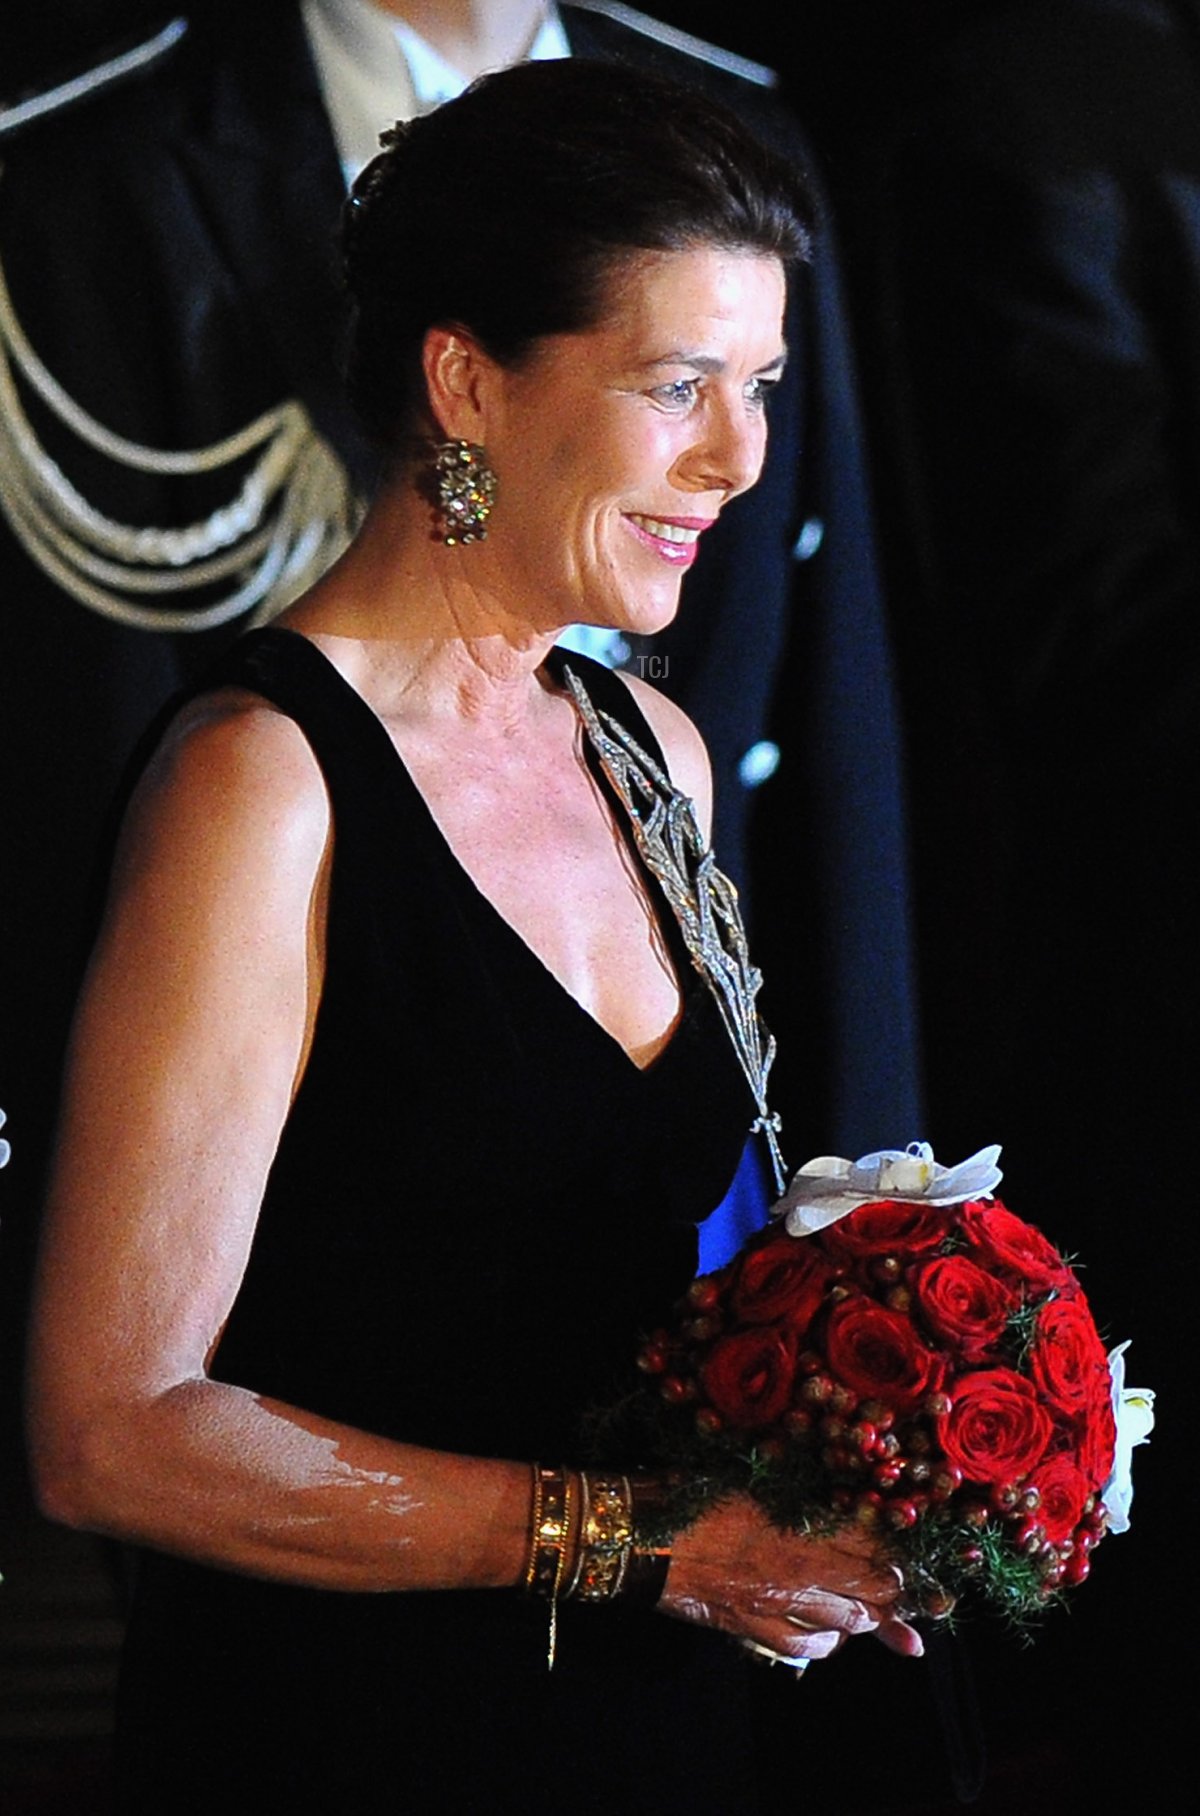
[(901, 1350)]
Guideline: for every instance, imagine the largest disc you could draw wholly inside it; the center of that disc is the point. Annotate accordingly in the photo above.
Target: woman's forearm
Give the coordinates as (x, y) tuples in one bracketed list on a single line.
[(215, 1473), (220, 1475)]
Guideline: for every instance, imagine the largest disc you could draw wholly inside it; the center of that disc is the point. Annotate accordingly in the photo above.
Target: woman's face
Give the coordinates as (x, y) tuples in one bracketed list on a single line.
[(617, 447)]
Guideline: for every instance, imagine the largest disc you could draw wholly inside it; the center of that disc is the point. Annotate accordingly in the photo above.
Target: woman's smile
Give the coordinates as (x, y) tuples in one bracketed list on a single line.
[(675, 539)]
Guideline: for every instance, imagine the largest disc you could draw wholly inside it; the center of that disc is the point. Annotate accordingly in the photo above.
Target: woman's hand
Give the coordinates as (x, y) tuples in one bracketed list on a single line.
[(798, 1596)]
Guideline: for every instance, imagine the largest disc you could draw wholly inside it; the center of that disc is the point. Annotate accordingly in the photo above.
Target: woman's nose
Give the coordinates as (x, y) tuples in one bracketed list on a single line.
[(728, 456)]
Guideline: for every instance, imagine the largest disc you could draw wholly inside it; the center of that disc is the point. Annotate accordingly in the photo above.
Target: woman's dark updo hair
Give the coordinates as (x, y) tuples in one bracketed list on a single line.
[(505, 212)]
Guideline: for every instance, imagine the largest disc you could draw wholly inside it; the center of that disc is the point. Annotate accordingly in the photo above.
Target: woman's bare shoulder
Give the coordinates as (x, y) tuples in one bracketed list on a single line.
[(232, 738), (683, 747), (231, 767)]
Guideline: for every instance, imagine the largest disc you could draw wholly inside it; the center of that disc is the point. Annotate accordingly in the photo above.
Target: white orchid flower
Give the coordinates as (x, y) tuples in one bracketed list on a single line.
[(5, 1150), (829, 1188), (1133, 1410)]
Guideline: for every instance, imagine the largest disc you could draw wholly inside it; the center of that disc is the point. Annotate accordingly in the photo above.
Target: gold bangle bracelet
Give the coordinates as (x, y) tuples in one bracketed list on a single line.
[(550, 1530), (535, 1521), (650, 1555), (617, 1542), (606, 1538), (549, 1543)]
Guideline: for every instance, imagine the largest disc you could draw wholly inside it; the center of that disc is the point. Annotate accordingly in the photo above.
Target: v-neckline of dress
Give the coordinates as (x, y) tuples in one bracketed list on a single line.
[(686, 978)]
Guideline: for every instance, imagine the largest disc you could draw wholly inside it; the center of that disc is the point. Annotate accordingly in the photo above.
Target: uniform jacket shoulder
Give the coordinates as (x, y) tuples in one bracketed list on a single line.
[(669, 38), (99, 72), (609, 29)]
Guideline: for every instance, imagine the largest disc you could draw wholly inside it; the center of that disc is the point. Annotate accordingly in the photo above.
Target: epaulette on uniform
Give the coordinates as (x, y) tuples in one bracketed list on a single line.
[(684, 42), (112, 68), (288, 509)]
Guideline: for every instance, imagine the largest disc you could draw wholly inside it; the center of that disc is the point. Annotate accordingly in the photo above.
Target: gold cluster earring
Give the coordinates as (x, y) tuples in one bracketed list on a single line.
[(466, 491)]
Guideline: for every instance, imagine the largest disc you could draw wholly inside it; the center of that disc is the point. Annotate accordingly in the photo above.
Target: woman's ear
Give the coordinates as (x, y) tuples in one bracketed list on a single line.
[(458, 376)]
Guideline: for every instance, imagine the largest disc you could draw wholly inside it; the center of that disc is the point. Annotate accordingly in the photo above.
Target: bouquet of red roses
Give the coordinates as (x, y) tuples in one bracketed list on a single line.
[(897, 1348)]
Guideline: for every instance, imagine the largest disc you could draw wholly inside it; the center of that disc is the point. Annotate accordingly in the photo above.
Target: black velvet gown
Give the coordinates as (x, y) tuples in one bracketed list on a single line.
[(477, 1204)]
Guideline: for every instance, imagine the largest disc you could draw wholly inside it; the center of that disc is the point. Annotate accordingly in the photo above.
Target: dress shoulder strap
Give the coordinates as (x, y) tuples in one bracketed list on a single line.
[(701, 898), (282, 666), (609, 694), (292, 674)]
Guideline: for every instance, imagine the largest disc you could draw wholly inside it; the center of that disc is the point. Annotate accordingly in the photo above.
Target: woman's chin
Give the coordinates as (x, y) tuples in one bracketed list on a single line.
[(650, 611)]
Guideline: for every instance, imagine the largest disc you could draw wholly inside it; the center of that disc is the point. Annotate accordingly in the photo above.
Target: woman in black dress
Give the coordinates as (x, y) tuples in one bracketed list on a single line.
[(394, 1098)]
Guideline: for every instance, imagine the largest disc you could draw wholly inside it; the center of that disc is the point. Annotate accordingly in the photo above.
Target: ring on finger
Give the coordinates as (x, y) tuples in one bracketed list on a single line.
[(770, 1657)]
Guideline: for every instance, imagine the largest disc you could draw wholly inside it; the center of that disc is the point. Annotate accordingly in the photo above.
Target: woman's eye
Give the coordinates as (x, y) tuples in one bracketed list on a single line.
[(760, 389), (679, 394)]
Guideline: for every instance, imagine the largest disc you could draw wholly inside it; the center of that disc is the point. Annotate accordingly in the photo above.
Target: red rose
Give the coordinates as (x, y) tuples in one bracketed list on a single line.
[(1067, 1361), (996, 1430), (784, 1278), (876, 1353), (962, 1304), (888, 1228), (1004, 1241), (748, 1377), (1064, 1488), (1098, 1435)]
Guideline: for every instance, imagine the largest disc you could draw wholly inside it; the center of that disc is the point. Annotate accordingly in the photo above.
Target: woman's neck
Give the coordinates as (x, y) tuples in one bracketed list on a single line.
[(436, 625), (472, 35)]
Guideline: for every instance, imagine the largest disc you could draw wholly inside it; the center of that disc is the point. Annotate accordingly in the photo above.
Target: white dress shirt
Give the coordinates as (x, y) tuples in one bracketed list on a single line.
[(374, 69)]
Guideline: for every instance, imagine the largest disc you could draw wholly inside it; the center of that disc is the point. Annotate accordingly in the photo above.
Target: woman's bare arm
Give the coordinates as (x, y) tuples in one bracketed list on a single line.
[(189, 1041)]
